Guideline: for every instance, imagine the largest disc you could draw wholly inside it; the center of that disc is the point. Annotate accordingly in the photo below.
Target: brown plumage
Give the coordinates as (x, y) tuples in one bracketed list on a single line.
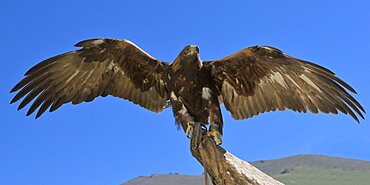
[(262, 79), (252, 81)]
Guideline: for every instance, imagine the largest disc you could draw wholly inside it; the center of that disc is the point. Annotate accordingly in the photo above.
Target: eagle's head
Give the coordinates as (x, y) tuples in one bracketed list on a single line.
[(188, 59), (189, 55), (190, 50)]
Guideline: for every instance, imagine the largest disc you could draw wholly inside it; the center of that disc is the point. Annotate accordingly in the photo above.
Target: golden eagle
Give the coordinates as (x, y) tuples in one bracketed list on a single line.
[(254, 80)]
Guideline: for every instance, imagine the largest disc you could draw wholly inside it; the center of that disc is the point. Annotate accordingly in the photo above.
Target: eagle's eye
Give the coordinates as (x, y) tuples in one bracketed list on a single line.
[(187, 51)]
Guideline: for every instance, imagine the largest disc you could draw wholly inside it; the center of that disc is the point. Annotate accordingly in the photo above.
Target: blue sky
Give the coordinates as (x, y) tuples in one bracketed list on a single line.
[(110, 141)]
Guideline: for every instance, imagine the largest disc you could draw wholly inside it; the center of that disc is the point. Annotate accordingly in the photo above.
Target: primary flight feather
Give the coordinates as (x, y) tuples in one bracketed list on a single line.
[(254, 80)]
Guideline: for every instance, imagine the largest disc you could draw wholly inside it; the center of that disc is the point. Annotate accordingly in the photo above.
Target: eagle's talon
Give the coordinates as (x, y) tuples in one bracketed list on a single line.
[(216, 136), (189, 130)]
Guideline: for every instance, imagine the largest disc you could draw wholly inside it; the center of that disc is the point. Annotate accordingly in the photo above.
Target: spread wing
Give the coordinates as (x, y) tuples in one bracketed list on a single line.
[(101, 67), (262, 79)]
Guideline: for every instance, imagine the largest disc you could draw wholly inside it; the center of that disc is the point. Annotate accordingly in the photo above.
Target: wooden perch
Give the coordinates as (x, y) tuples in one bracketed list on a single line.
[(223, 167)]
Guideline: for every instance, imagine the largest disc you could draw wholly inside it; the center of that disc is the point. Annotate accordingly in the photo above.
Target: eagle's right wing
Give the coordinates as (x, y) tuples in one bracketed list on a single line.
[(101, 67), (262, 79)]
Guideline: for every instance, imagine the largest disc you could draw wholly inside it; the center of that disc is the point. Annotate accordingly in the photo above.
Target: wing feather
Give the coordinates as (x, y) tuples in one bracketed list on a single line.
[(101, 67), (262, 79)]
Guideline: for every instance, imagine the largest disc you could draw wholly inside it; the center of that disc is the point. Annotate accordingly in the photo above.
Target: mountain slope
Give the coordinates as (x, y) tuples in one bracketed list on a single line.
[(299, 169), (167, 179), (317, 169)]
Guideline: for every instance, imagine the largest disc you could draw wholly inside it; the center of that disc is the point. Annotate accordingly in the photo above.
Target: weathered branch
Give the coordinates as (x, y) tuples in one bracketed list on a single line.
[(223, 167)]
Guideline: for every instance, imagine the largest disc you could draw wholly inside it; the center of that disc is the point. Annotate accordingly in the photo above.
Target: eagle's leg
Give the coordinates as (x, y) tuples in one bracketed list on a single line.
[(196, 134), (215, 130)]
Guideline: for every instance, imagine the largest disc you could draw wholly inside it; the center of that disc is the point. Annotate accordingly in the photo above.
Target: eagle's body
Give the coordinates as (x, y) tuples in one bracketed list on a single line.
[(193, 95), (254, 80)]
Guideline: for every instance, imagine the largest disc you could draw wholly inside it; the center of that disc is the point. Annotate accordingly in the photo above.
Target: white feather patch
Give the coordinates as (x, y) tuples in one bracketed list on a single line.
[(129, 42), (277, 77), (98, 41), (206, 93), (181, 89), (72, 76), (88, 76), (183, 110), (266, 47), (112, 66), (173, 96), (309, 82), (290, 78), (306, 69)]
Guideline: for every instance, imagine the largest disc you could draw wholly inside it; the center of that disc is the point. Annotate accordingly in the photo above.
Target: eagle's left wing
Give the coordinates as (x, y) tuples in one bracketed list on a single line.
[(262, 79)]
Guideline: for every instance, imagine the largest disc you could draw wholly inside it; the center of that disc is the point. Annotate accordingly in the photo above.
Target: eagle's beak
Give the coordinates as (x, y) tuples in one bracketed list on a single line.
[(194, 48)]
